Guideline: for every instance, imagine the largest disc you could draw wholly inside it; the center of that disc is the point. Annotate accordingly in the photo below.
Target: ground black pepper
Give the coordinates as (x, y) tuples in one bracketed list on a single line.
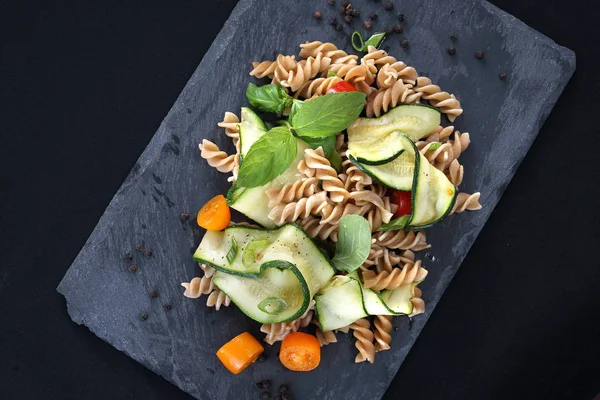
[(148, 253), (143, 316), (453, 37), (153, 294), (128, 257), (184, 216), (265, 395), (168, 307), (398, 28), (404, 44), (339, 27), (373, 16), (331, 2), (348, 19), (451, 51), (502, 76), (479, 54), (133, 268), (355, 12), (401, 17), (367, 25), (388, 6), (318, 15), (139, 247)]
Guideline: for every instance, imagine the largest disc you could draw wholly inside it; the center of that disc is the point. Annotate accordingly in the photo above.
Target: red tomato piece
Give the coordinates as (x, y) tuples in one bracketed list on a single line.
[(402, 199), (342, 86)]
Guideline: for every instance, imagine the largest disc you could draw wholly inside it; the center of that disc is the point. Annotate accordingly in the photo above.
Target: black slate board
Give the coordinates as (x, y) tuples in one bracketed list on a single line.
[(503, 118)]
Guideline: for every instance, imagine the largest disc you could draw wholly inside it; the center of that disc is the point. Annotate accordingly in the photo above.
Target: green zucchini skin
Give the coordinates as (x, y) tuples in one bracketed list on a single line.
[(382, 162)]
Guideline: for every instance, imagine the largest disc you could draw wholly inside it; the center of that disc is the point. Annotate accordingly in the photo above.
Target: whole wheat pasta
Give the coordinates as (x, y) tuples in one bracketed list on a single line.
[(446, 102), (317, 87), (409, 273), (316, 161), (230, 123), (311, 49), (305, 70), (403, 240), (364, 341), (217, 299), (302, 208), (418, 303), (455, 173), (353, 73), (459, 144), (466, 201), (383, 330), (277, 332), (382, 100), (315, 229), (325, 338), (386, 77), (215, 157), (290, 192), (197, 287)]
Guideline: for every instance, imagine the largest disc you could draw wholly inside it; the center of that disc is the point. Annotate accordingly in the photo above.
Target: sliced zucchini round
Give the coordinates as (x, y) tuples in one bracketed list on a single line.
[(375, 150)]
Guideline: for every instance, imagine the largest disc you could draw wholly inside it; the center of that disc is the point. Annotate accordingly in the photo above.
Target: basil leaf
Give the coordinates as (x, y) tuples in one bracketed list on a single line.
[(296, 104), (330, 73), (232, 253), (268, 158), (435, 146), (354, 243), (336, 161), (374, 40), (329, 114), (357, 41), (272, 305), (270, 98), (395, 224)]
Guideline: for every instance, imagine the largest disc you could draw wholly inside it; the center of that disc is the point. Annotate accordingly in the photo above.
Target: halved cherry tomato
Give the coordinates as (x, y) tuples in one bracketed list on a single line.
[(342, 86), (300, 352), (240, 352), (215, 214), (402, 199)]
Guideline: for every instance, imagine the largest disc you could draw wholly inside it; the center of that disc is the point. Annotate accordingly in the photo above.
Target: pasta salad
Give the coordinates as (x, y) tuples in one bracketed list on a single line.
[(353, 166)]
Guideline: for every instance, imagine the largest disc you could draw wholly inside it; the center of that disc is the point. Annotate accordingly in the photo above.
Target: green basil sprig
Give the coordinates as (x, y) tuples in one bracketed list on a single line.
[(354, 243), (359, 45), (395, 224), (296, 104), (270, 98), (268, 158), (328, 115)]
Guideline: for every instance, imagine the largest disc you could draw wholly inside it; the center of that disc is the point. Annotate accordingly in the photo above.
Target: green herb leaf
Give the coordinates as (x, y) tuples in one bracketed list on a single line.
[(252, 251), (395, 224), (435, 146), (270, 98), (232, 253), (336, 161), (374, 40), (296, 104), (330, 74), (268, 158), (272, 305), (357, 41), (354, 243), (329, 114)]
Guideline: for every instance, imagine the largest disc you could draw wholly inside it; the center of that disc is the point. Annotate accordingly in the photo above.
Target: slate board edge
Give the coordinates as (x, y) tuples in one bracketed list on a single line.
[(214, 52)]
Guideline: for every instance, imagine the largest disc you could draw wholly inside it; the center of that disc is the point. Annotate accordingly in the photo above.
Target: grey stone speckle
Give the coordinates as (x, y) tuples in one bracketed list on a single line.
[(179, 341)]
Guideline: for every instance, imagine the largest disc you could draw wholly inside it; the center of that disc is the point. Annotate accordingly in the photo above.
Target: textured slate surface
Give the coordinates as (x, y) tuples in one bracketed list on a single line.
[(170, 178)]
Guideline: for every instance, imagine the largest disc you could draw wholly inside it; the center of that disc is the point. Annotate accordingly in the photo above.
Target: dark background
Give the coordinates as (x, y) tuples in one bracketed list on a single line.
[(83, 88)]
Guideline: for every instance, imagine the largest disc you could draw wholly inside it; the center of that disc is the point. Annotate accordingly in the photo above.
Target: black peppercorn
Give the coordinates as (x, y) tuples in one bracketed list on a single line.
[(148, 253), (345, 3), (283, 389), (143, 316), (388, 6), (348, 19), (479, 54), (133, 268), (404, 44), (451, 51), (367, 25), (153, 294), (317, 15), (139, 247), (331, 2), (259, 385), (278, 398), (265, 395), (262, 358), (339, 27), (502, 76), (332, 21), (401, 17), (128, 257), (168, 307), (266, 383), (372, 16), (184, 216), (453, 37), (355, 12), (398, 28)]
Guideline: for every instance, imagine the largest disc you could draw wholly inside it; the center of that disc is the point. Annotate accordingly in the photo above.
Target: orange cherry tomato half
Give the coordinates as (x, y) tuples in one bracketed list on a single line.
[(300, 352), (402, 199), (240, 352), (342, 86), (214, 215)]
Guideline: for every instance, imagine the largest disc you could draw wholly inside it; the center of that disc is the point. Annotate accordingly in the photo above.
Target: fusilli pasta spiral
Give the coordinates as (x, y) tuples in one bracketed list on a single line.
[(329, 50), (446, 102), (197, 287), (466, 201), (418, 303), (382, 100), (455, 173), (364, 341), (404, 240), (314, 228), (231, 124), (217, 299), (325, 338), (215, 157), (290, 192), (383, 330), (409, 273), (315, 164), (317, 87), (290, 212)]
